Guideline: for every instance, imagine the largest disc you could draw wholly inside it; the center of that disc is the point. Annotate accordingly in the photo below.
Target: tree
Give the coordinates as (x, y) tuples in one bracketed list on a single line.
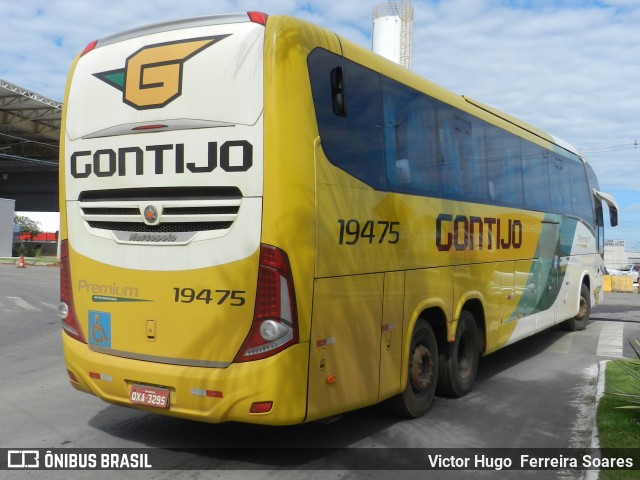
[(27, 226)]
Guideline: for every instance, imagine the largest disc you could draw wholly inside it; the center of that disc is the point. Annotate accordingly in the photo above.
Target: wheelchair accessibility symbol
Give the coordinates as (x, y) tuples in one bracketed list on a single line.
[(99, 328)]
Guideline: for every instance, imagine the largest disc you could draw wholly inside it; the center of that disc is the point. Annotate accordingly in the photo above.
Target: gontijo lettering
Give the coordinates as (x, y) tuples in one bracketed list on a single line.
[(232, 156), (477, 233)]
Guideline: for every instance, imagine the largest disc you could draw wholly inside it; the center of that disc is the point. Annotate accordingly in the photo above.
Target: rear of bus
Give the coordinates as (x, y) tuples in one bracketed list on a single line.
[(171, 301)]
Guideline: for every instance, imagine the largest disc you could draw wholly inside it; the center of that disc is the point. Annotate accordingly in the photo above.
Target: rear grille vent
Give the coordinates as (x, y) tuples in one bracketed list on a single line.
[(200, 210), (111, 211), (161, 211), (164, 228)]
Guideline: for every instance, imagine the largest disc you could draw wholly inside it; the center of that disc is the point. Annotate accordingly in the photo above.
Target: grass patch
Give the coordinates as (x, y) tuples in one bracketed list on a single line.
[(619, 427)]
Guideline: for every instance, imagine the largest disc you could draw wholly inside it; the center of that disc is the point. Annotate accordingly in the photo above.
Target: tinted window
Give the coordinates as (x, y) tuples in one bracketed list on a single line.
[(397, 139), (535, 176), (410, 143), (353, 142), (505, 167), (470, 139), (581, 205)]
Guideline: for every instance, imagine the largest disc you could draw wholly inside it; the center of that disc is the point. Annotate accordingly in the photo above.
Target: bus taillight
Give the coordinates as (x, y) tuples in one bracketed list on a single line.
[(66, 311), (275, 320), (90, 46), (258, 17)]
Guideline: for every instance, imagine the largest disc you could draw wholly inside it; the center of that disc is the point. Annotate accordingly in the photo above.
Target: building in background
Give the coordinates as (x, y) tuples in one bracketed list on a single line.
[(616, 256)]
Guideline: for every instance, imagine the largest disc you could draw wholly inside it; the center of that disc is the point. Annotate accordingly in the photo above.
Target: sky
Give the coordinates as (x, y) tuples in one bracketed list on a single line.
[(570, 67)]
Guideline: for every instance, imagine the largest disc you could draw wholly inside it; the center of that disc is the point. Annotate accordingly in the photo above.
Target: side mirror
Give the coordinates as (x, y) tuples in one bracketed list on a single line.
[(611, 202), (613, 216)]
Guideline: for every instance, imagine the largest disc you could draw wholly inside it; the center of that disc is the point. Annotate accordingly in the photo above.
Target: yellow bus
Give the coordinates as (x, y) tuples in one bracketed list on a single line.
[(263, 222)]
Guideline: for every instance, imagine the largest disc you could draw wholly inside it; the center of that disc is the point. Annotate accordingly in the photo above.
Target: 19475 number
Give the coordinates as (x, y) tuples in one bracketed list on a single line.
[(352, 231), (235, 298)]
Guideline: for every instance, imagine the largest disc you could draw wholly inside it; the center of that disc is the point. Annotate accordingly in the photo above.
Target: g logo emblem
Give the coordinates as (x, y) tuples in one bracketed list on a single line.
[(152, 76)]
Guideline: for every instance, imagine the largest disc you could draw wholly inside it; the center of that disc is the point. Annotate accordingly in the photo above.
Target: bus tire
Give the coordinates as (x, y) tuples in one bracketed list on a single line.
[(579, 322), (422, 375), (459, 362)]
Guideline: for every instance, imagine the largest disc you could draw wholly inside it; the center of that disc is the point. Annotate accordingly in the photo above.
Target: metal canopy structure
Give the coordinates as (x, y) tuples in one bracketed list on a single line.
[(29, 144)]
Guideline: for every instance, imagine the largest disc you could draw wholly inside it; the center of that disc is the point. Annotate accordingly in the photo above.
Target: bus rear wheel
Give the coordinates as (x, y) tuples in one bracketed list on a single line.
[(422, 372), (579, 322), (459, 362)]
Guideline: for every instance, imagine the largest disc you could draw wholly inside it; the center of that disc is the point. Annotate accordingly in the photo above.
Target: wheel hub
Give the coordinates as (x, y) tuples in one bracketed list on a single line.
[(421, 368)]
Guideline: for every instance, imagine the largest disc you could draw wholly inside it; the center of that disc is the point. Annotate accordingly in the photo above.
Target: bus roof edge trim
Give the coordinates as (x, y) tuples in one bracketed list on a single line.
[(174, 25)]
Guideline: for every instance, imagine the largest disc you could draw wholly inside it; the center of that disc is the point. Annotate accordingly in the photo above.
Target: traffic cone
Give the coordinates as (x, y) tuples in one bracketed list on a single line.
[(21, 262)]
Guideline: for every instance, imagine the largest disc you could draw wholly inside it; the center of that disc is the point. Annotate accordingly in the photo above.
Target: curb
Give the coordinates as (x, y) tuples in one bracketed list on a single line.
[(595, 436)]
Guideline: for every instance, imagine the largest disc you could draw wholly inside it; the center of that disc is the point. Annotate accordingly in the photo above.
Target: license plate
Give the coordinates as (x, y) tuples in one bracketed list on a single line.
[(149, 396)]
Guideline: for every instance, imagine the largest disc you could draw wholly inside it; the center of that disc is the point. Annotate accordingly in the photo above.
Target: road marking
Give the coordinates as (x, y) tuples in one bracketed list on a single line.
[(610, 340), (22, 303)]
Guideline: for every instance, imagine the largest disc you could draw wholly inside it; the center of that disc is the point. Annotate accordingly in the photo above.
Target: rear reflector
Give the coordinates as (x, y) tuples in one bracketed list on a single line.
[(261, 407), (72, 376), (201, 392), (100, 376)]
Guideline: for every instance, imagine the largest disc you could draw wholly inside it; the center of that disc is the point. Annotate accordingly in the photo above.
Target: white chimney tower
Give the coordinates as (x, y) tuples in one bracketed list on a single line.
[(392, 31)]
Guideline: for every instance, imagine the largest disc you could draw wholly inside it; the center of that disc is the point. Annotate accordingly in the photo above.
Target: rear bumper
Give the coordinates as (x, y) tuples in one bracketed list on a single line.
[(281, 379)]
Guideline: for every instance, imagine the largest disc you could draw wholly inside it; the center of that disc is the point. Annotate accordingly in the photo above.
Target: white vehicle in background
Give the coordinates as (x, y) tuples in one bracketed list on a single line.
[(631, 270)]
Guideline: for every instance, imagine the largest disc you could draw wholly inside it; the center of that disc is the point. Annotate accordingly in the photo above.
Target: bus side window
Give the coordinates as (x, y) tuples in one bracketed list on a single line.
[(422, 148), (599, 225), (351, 139), (410, 156), (504, 162), (449, 155), (536, 177), (558, 182), (597, 216), (469, 136), (581, 205)]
